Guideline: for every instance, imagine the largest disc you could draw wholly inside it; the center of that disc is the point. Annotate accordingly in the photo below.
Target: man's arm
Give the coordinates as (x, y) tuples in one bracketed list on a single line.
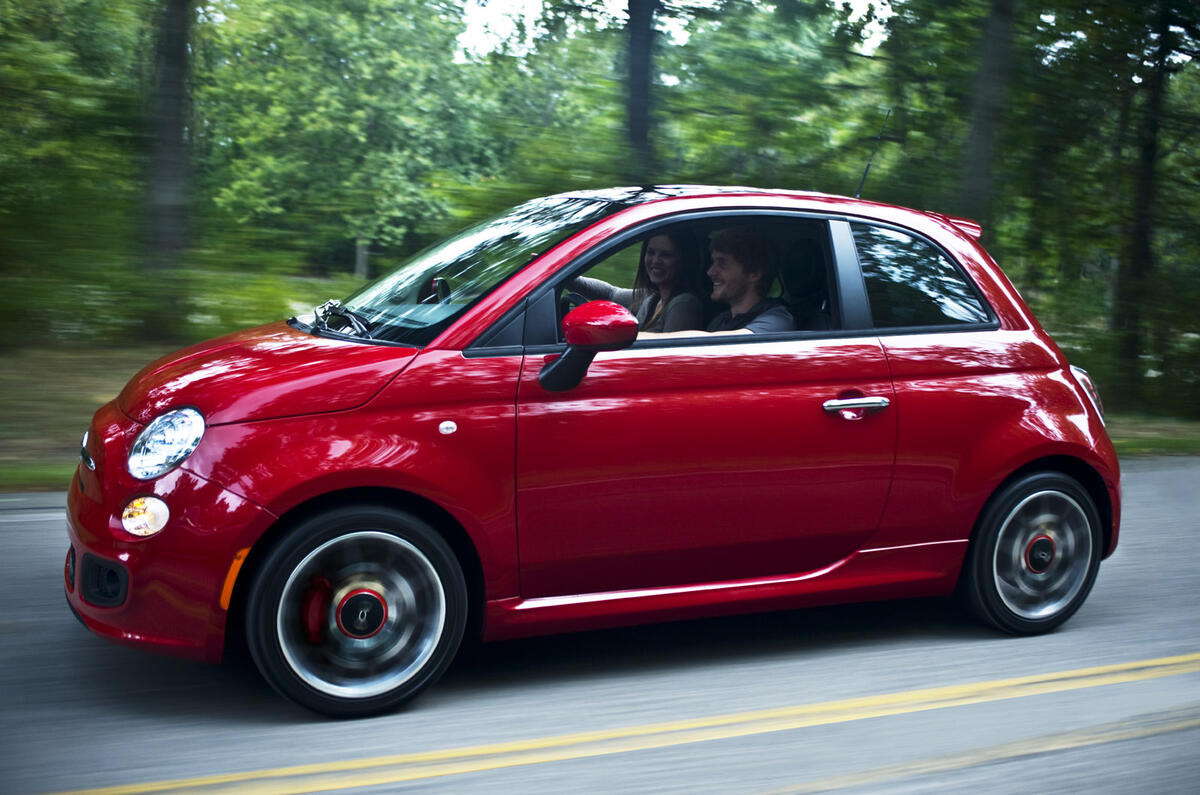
[(663, 335), (775, 319)]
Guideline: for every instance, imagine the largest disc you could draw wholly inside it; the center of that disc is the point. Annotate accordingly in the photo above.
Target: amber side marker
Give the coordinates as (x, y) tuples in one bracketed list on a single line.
[(384, 770), (231, 576)]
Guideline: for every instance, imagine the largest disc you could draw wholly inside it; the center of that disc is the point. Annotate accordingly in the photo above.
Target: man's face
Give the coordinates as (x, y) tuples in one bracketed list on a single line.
[(731, 282)]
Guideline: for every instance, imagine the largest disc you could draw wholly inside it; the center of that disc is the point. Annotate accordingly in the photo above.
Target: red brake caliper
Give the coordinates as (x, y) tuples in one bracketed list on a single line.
[(315, 606)]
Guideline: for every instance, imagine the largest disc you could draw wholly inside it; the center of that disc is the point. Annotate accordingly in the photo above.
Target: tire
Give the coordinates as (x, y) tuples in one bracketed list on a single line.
[(356, 611), (1035, 554)]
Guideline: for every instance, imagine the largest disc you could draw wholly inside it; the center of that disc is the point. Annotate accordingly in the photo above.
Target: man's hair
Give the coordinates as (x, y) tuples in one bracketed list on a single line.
[(752, 249)]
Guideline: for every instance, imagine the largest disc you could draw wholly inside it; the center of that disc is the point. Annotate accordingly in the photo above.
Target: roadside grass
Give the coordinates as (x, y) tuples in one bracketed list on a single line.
[(48, 396), (47, 399), (1138, 435)]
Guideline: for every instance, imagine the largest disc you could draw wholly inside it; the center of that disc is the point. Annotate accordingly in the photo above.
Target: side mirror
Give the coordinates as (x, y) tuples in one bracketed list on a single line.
[(596, 326)]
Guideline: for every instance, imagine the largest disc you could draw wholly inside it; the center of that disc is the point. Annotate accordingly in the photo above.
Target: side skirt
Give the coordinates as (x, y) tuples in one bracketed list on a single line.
[(915, 570)]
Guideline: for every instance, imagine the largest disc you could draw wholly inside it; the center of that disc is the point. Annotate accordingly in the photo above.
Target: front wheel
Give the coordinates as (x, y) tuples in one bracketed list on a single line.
[(356, 611), (1035, 554)]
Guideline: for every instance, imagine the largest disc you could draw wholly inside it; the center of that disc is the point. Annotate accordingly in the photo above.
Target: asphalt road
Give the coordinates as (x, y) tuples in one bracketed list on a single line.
[(898, 697)]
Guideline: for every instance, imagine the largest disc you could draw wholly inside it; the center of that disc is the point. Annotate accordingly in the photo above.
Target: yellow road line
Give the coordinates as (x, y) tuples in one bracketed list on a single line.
[(1131, 729), (431, 764)]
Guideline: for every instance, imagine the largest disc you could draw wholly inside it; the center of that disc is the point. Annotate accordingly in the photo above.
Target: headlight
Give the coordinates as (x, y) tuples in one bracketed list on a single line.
[(165, 442)]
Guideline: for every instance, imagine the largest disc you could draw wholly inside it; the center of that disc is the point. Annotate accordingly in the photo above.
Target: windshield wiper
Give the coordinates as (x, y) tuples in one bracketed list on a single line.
[(333, 308)]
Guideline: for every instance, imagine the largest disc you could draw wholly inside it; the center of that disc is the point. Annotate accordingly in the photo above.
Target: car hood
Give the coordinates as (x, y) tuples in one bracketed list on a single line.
[(265, 372)]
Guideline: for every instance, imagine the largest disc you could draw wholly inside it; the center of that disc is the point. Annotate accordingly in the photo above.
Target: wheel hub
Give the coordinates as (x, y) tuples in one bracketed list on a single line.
[(362, 613), (1039, 554)]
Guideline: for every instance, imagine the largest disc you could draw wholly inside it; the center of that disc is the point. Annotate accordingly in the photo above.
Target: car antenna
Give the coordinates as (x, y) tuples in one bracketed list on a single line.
[(867, 170)]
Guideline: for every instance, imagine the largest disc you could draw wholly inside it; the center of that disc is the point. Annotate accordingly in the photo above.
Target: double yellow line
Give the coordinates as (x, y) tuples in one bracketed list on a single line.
[(432, 764)]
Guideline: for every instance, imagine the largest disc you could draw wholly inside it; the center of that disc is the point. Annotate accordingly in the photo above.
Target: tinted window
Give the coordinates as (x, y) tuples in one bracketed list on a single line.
[(911, 283), (795, 248)]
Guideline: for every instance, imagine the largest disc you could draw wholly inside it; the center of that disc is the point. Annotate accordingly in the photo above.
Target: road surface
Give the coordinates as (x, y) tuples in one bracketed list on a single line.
[(897, 697)]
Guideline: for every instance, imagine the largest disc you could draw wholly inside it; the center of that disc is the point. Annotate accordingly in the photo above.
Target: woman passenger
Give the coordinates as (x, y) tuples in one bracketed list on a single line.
[(667, 291)]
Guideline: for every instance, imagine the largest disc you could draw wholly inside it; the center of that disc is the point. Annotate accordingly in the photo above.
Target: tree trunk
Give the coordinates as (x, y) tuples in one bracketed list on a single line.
[(640, 56), (1133, 273), (360, 257), (167, 180), (991, 86)]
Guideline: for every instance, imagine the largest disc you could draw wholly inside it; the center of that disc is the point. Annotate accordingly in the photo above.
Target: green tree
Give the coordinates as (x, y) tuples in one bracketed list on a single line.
[(549, 108), (1091, 123), (330, 119), (1166, 29), (761, 95), (70, 94)]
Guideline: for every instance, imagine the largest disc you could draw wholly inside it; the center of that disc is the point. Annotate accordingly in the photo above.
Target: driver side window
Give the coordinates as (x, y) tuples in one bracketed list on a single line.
[(659, 278), (610, 279)]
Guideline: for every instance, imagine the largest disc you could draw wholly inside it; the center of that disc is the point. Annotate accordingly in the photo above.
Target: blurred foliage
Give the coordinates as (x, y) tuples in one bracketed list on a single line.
[(327, 119), (322, 126), (69, 127)]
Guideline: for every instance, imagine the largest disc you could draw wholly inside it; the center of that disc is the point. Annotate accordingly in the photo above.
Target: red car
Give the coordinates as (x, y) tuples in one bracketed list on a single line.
[(476, 444)]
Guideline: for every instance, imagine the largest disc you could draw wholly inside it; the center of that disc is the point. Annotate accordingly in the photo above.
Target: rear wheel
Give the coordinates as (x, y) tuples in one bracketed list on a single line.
[(1035, 554), (356, 611)]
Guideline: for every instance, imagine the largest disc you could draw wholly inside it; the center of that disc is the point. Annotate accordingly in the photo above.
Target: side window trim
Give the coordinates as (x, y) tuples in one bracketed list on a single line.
[(992, 320)]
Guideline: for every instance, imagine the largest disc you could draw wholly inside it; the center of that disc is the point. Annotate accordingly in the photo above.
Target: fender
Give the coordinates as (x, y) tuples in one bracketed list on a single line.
[(401, 440)]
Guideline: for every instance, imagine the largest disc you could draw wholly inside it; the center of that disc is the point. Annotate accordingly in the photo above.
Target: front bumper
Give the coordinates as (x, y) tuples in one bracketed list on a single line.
[(162, 592)]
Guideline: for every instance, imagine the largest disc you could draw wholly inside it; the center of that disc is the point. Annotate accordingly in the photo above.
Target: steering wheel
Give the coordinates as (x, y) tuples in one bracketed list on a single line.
[(436, 292), (568, 301)]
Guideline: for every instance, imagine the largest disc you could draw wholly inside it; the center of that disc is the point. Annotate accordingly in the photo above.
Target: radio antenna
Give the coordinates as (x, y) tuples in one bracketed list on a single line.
[(867, 170)]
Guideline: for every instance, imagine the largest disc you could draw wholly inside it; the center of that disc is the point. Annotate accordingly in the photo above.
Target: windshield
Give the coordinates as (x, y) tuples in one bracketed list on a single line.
[(417, 301)]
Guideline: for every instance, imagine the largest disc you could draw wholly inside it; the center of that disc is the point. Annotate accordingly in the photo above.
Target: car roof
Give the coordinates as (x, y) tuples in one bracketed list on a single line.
[(634, 195), (631, 195)]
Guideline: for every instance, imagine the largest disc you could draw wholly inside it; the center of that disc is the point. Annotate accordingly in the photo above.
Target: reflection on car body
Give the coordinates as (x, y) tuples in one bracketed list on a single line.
[(469, 446)]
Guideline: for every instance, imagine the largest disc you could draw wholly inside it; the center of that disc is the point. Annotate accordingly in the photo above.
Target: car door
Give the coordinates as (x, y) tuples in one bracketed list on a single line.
[(702, 460)]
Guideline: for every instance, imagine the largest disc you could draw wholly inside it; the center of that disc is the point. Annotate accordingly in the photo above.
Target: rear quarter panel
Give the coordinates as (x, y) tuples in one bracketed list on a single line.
[(974, 407)]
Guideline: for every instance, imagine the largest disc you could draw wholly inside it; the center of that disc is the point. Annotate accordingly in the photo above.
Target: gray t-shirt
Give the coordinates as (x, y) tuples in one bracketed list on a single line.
[(766, 316)]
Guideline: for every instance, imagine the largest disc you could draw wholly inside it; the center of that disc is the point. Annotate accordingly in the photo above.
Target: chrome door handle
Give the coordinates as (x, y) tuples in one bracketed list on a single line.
[(868, 403)]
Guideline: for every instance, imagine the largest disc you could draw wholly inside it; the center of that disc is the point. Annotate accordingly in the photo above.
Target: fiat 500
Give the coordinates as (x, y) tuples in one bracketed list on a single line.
[(598, 409)]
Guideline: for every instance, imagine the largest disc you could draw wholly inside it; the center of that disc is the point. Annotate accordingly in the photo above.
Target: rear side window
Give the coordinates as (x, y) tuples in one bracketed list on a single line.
[(910, 282)]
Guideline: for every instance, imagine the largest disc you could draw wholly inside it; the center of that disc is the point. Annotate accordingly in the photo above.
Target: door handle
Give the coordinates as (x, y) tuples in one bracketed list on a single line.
[(868, 403), (856, 408)]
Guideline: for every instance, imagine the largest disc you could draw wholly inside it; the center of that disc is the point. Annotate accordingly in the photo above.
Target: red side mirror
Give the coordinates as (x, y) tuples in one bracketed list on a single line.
[(600, 326), (595, 326)]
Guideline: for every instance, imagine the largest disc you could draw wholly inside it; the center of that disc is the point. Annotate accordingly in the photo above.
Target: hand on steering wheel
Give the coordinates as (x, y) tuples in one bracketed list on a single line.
[(568, 301)]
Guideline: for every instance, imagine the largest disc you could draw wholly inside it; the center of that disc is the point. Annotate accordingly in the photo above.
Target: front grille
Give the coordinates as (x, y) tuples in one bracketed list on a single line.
[(102, 583)]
